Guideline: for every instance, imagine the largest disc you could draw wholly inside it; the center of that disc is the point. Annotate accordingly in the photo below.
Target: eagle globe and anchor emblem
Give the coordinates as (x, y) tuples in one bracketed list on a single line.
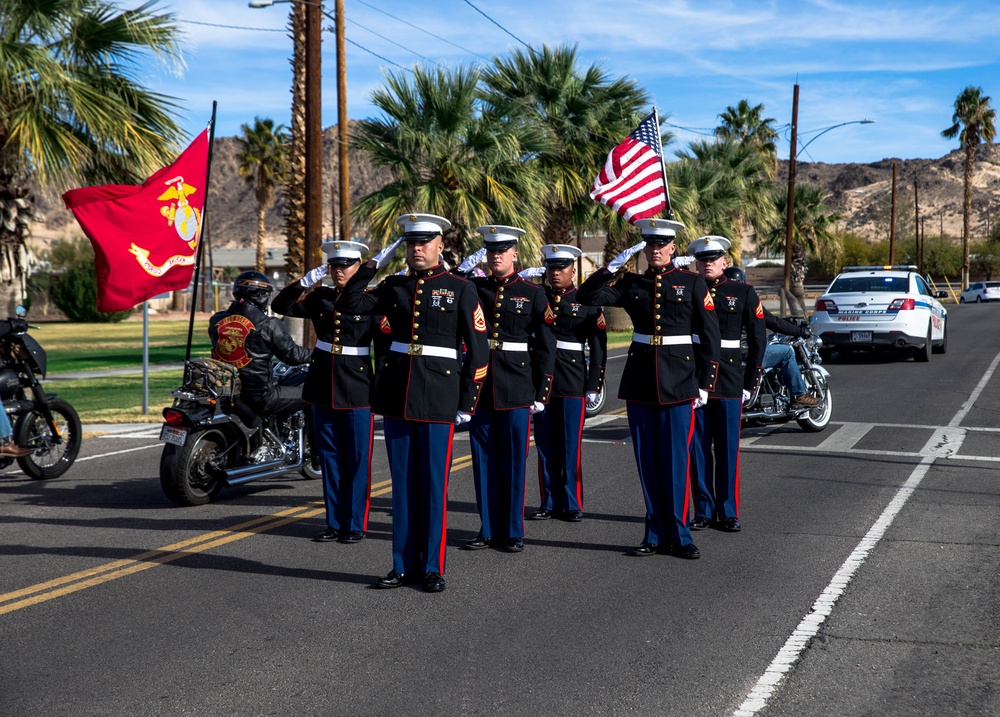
[(186, 221)]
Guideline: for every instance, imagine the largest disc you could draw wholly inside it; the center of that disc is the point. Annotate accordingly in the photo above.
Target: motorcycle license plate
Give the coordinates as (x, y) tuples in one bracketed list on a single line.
[(861, 336), (176, 436)]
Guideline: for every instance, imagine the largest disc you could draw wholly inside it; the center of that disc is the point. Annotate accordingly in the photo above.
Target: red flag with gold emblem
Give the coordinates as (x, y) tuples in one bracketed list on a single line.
[(145, 237)]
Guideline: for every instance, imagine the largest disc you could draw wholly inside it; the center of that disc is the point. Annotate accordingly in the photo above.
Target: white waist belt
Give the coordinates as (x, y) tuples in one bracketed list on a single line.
[(661, 340), (339, 349), (730, 343), (422, 350), (508, 345), (569, 346)]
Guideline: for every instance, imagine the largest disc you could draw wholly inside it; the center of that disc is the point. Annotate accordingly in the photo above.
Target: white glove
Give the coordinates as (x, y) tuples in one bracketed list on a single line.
[(532, 272), (619, 261), (462, 417), (472, 262), (702, 398), (313, 276), (536, 407), (746, 395), (385, 256), (592, 396), (680, 261)]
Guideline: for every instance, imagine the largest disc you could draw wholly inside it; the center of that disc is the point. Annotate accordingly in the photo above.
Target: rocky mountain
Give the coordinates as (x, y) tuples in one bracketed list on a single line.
[(860, 193)]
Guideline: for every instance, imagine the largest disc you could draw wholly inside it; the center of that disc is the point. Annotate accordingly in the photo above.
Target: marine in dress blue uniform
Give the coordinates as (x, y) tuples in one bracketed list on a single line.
[(666, 375), (339, 384), (559, 428), (715, 447), (517, 384), (423, 389)]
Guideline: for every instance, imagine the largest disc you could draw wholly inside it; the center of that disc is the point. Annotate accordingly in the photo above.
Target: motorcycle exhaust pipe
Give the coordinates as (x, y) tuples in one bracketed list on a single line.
[(234, 475), (270, 470)]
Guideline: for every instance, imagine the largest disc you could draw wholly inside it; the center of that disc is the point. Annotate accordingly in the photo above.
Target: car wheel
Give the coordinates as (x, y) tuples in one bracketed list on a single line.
[(923, 355), (961, 299), (979, 299)]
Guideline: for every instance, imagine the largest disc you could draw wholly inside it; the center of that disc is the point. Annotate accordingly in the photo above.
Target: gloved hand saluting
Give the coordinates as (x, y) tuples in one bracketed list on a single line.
[(746, 396), (536, 407), (532, 272), (314, 276), (462, 417), (472, 262), (619, 261), (385, 256), (702, 398)]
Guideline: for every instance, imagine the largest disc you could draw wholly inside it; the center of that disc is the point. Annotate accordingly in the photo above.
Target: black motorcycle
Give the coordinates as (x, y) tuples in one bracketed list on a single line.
[(43, 423), (213, 440), (772, 401)]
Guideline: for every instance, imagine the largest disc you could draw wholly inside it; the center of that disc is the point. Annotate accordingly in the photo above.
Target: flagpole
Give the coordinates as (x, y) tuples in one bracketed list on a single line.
[(145, 358), (663, 163), (201, 243)]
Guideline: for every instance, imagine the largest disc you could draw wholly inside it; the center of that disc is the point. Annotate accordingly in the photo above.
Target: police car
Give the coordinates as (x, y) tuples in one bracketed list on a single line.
[(881, 308)]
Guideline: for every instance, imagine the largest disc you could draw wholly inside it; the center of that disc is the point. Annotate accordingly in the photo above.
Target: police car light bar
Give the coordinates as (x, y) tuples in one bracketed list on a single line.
[(909, 267)]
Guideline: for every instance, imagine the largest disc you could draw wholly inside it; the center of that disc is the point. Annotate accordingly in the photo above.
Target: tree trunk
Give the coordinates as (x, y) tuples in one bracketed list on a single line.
[(260, 237), (800, 262), (558, 224), (967, 212), (295, 189)]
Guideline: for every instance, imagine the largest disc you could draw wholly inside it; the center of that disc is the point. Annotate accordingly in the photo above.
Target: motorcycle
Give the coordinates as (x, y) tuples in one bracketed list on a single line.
[(594, 408), (44, 423), (212, 440), (771, 402)]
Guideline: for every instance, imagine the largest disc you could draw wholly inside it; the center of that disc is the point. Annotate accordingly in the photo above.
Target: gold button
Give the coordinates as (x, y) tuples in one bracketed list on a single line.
[(417, 302), (416, 326), (518, 311), (687, 358), (420, 281), (447, 372), (572, 360), (499, 304), (415, 337), (680, 299), (656, 306), (730, 360), (500, 296), (496, 335), (416, 313), (558, 299)]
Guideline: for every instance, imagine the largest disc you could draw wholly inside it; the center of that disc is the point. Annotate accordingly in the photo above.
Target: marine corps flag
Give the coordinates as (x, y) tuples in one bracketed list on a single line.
[(145, 237)]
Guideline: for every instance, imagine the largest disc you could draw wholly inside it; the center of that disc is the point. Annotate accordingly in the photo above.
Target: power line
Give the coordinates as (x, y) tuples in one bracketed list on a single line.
[(375, 54), (231, 27), (497, 24), (358, 24), (426, 32)]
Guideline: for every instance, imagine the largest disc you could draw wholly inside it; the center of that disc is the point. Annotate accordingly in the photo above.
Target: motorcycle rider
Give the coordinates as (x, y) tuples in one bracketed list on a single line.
[(7, 446), (782, 356), (246, 337)]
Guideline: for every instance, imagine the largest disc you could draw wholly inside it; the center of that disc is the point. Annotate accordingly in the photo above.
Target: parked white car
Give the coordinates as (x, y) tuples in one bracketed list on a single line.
[(980, 291), (881, 308)]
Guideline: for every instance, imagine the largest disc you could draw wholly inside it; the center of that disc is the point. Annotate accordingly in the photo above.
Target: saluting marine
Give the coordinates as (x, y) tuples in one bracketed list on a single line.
[(424, 388), (339, 385), (517, 384), (666, 375), (559, 428), (715, 447)]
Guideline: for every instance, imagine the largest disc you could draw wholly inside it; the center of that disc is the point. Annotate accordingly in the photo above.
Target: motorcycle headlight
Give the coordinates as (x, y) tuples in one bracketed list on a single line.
[(815, 342)]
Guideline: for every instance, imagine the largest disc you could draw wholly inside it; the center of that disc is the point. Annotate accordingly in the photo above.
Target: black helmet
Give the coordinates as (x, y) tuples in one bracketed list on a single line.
[(736, 274), (254, 287)]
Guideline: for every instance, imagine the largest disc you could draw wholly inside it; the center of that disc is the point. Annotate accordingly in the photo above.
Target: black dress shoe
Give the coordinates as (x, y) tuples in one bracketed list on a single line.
[(688, 552), (354, 536), (700, 524), (433, 583), (514, 545), (477, 543), (327, 536), (572, 516), (644, 550), (730, 525), (392, 580), (540, 514)]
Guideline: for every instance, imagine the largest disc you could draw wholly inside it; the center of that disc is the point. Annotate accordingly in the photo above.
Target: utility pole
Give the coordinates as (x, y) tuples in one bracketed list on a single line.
[(892, 219), (790, 217), (345, 183), (916, 225)]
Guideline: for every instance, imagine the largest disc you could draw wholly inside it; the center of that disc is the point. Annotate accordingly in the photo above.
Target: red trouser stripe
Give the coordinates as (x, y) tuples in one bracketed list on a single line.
[(579, 455), (368, 492), (444, 502), (687, 471)]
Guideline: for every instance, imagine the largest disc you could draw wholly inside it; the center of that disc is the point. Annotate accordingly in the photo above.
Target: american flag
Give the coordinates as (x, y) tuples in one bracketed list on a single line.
[(631, 181)]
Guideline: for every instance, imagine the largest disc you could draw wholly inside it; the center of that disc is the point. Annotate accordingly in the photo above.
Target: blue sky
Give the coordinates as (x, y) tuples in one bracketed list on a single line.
[(901, 63)]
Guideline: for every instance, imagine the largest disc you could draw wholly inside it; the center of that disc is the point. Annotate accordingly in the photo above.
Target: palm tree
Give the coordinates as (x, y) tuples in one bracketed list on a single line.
[(263, 160), (746, 125), (735, 195), (812, 232), (294, 187), (973, 123), (72, 108), (450, 155), (584, 112)]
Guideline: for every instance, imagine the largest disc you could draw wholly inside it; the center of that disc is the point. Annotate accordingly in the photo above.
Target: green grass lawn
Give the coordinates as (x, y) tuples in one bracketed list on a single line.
[(118, 399)]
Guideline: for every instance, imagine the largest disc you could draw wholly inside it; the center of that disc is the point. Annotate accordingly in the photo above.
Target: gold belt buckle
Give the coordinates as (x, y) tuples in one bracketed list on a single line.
[(494, 344), (656, 340), (415, 349), (336, 349)]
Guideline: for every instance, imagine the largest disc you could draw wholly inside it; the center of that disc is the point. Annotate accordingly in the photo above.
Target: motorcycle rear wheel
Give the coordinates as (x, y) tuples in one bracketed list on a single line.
[(47, 458), (594, 408), (184, 470), (818, 418)]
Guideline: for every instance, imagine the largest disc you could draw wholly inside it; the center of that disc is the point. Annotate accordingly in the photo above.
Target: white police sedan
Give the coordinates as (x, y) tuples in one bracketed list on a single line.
[(980, 291), (881, 308)]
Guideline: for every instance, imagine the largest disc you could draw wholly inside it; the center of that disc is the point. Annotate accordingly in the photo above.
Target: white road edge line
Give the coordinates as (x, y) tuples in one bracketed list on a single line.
[(796, 644), (116, 453)]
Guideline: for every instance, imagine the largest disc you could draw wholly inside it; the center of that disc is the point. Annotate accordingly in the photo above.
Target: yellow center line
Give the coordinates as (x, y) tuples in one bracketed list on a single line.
[(68, 584)]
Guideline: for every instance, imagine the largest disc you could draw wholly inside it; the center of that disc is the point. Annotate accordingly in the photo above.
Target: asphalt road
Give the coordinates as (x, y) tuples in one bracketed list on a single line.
[(865, 580)]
